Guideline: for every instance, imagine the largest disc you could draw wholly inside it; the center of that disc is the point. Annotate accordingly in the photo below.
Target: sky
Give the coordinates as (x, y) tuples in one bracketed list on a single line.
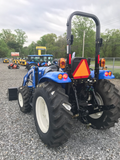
[(40, 17)]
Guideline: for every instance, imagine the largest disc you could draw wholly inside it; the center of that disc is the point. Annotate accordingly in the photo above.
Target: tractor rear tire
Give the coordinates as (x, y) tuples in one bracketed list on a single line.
[(108, 95), (53, 119), (24, 94)]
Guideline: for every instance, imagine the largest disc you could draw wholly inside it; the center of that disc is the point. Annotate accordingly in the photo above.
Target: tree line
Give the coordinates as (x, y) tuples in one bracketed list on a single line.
[(56, 45)]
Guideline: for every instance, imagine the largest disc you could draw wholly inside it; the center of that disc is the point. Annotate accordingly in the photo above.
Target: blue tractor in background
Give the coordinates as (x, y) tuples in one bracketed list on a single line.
[(70, 89), (38, 60)]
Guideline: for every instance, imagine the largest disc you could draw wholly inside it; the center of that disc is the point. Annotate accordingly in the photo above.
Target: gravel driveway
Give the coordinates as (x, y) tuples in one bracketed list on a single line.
[(19, 139)]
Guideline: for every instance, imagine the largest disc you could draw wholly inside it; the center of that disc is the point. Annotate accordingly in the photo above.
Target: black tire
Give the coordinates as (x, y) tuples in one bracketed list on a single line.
[(18, 67), (10, 67), (60, 121), (109, 95), (25, 94)]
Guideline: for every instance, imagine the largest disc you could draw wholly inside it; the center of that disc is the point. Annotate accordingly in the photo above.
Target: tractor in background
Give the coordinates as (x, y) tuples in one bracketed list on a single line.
[(38, 60), (13, 66), (6, 60)]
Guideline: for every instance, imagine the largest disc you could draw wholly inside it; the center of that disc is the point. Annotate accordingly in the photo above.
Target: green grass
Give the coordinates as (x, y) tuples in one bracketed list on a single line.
[(116, 63), (117, 75), (115, 70)]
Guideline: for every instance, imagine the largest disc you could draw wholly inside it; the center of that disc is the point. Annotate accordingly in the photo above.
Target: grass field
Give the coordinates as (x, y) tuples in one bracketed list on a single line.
[(115, 70), (116, 63)]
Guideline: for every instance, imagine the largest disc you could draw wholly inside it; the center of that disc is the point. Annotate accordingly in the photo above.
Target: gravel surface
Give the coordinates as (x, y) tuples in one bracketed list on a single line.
[(19, 139)]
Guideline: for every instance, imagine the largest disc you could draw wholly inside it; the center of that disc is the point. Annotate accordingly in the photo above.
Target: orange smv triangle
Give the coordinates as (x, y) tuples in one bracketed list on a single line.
[(82, 70)]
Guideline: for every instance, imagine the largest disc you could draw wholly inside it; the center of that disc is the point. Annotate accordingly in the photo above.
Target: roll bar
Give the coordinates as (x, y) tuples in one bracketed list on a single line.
[(98, 39)]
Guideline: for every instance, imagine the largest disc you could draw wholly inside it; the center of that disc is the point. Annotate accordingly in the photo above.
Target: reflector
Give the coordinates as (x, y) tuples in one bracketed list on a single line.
[(82, 70)]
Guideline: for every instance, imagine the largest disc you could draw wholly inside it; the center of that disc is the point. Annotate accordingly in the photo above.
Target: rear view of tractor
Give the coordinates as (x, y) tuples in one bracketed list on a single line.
[(69, 90)]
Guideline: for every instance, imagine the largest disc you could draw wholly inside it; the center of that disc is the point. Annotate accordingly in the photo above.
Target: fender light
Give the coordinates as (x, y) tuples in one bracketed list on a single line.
[(64, 76), (60, 76), (108, 73)]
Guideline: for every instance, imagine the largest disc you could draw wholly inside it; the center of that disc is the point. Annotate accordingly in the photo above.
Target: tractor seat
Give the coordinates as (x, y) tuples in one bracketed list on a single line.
[(51, 68)]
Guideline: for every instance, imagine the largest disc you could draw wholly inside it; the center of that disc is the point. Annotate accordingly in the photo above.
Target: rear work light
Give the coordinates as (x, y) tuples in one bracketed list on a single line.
[(62, 63), (102, 62)]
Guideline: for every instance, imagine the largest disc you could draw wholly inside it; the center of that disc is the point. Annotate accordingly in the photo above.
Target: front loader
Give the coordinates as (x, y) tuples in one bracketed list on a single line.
[(59, 93)]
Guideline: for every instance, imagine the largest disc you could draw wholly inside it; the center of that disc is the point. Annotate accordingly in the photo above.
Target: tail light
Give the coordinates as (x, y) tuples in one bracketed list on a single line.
[(60, 76), (64, 76), (38, 64), (108, 73)]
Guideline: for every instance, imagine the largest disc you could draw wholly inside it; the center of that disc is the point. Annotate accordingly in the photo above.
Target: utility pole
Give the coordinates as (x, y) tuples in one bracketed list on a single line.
[(83, 43)]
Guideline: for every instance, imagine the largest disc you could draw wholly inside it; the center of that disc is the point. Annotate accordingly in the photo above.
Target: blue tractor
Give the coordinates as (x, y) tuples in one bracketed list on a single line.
[(59, 93), (38, 60)]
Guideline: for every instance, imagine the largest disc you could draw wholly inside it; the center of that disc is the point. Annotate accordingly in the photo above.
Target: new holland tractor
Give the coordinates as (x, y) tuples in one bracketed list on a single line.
[(38, 60), (59, 93)]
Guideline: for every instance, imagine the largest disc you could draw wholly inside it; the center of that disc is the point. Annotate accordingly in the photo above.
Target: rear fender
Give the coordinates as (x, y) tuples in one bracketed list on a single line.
[(53, 76), (102, 74)]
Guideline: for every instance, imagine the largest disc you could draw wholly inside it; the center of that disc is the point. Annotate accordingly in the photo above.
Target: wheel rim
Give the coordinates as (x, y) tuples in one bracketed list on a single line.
[(20, 99), (42, 114), (100, 102)]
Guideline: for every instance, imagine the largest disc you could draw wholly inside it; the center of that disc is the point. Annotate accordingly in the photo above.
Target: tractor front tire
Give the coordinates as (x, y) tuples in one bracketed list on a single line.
[(24, 94), (52, 114), (107, 94)]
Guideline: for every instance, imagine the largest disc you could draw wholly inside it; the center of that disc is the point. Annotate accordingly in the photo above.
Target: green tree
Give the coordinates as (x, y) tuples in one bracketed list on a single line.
[(49, 41), (7, 35), (79, 25), (13, 44), (111, 43), (61, 44), (21, 37), (32, 48), (3, 49)]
